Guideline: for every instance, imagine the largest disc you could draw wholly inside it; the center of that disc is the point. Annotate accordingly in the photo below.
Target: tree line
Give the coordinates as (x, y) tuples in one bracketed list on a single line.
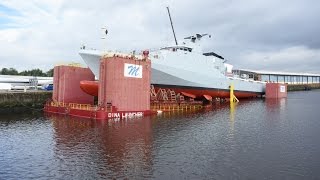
[(33, 72)]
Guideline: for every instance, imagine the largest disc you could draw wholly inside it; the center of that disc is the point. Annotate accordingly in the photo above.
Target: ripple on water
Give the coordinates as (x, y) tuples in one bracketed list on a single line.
[(256, 139)]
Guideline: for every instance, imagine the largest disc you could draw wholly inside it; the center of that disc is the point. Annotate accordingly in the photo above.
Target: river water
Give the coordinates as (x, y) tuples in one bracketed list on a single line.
[(255, 139)]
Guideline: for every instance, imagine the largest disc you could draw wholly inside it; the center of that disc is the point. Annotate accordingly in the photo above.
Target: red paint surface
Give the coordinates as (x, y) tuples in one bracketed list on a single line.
[(273, 90), (66, 83), (188, 94), (193, 93), (90, 87), (53, 109), (125, 93), (209, 98), (94, 113), (211, 92)]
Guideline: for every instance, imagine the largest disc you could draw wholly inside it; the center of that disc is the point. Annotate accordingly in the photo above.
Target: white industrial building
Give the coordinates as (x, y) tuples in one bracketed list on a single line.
[(281, 77)]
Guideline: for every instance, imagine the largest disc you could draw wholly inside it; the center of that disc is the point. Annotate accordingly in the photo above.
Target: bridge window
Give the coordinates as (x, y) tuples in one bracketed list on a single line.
[(305, 80), (264, 78), (273, 78)]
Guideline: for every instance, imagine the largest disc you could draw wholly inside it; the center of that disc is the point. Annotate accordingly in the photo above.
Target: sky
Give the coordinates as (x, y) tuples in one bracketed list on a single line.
[(250, 34)]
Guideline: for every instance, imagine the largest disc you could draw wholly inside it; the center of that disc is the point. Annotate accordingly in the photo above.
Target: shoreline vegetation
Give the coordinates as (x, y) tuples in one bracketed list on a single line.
[(32, 72)]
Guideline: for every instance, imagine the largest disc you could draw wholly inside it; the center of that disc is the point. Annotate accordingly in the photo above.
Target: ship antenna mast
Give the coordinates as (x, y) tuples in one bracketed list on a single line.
[(174, 34), (104, 37)]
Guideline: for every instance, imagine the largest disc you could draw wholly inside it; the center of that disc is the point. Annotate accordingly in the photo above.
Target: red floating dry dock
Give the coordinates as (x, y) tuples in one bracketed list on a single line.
[(276, 90), (123, 89)]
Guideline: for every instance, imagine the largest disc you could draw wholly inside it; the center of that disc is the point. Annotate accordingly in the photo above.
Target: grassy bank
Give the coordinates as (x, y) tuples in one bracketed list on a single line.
[(302, 87)]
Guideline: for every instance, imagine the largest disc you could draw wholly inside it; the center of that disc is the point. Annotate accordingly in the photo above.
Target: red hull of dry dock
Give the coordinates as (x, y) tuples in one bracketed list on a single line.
[(116, 90), (92, 112)]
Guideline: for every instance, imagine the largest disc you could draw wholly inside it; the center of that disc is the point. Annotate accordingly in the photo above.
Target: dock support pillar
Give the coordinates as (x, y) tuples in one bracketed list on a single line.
[(233, 98)]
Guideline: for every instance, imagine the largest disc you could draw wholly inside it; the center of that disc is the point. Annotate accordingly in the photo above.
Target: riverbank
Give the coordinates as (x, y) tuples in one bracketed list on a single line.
[(17, 101), (303, 87)]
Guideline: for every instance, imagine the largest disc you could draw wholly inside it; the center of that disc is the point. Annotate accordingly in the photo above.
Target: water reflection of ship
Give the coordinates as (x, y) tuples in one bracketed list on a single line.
[(122, 147)]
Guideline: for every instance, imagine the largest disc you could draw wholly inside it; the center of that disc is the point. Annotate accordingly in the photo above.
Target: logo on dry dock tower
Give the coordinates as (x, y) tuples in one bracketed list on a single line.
[(282, 89), (132, 70)]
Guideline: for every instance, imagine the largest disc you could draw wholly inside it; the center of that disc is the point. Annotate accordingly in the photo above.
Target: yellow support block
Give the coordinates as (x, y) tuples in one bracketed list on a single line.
[(233, 98)]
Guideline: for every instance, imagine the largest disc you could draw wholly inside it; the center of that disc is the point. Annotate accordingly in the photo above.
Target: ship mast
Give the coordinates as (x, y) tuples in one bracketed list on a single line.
[(174, 34)]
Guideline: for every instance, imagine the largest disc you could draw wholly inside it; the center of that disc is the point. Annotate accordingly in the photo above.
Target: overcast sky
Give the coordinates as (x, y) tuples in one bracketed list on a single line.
[(251, 34)]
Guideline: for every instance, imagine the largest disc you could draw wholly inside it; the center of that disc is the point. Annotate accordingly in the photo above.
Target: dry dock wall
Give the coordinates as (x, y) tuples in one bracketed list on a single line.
[(16, 101), (276, 90), (66, 82), (125, 83)]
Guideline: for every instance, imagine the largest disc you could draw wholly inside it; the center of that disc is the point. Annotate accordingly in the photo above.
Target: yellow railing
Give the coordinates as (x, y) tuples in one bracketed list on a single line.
[(87, 107), (58, 104), (175, 107), (162, 107), (72, 105), (80, 106)]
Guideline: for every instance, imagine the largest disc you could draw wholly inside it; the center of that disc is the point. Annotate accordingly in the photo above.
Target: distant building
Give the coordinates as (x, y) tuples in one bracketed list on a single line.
[(281, 77)]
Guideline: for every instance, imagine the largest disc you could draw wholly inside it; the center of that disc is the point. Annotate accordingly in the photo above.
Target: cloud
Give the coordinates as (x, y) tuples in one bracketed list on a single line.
[(287, 59), (41, 33)]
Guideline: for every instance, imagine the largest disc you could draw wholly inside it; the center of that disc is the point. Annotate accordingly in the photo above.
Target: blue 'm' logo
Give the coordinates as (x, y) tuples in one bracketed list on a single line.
[(133, 70)]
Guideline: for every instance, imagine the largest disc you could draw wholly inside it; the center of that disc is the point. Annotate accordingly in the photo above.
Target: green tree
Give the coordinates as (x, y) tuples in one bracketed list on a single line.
[(10, 71), (13, 71), (37, 72), (24, 73), (50, 73), (33, 72), (4, 71)]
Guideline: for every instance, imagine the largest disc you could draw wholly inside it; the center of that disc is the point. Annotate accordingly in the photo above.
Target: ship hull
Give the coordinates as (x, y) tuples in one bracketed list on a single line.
[(199, 92), (190, 77), (91, 87)]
